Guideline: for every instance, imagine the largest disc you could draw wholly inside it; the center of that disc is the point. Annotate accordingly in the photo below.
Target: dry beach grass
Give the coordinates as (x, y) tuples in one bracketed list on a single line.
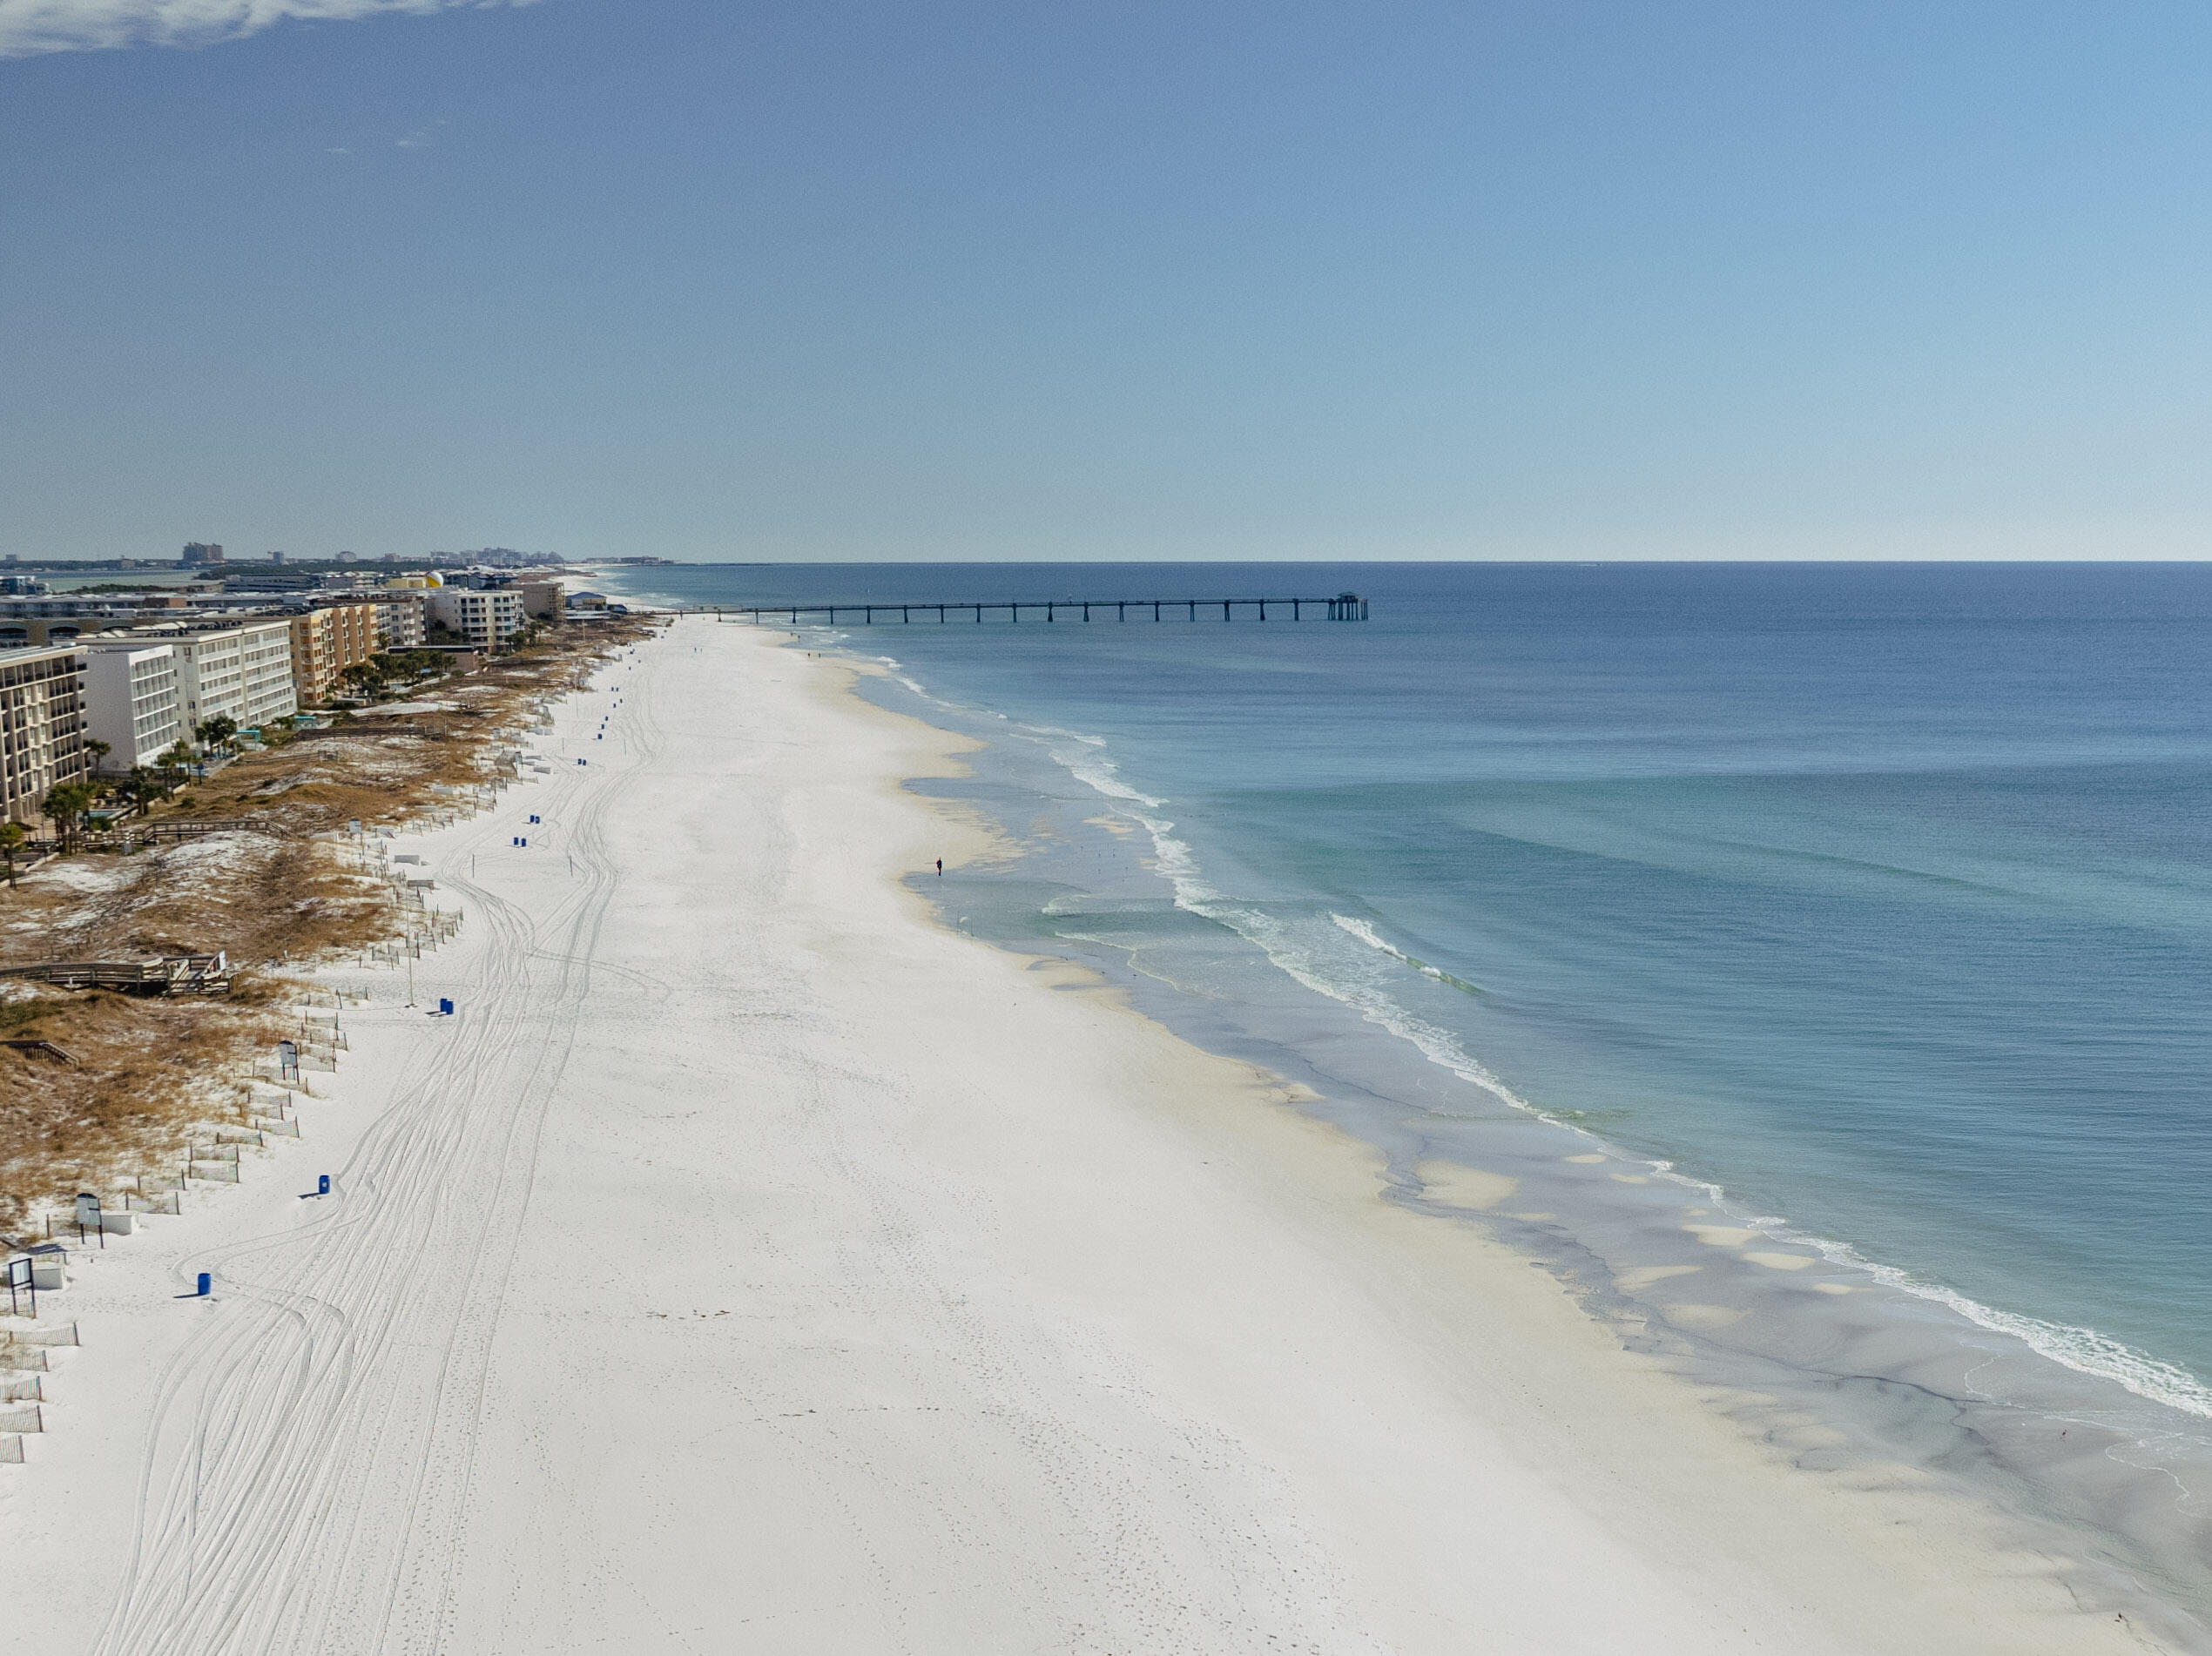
[(286, 892)]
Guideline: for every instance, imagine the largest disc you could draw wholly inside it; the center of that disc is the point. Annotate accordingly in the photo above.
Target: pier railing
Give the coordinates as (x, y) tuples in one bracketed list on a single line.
[(1345, 606)]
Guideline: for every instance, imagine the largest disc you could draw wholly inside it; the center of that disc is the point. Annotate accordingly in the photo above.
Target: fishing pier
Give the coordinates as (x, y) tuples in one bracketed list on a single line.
[(1345, 606)]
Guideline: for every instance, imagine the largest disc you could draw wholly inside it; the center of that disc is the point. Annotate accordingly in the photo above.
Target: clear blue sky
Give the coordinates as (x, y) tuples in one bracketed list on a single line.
[(715, 280)]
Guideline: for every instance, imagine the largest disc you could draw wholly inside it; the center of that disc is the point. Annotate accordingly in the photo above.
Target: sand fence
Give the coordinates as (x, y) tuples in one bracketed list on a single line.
[(266, 1118)]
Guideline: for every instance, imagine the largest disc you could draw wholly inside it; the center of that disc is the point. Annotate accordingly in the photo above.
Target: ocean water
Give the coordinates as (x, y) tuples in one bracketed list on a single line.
[(1869, 906)]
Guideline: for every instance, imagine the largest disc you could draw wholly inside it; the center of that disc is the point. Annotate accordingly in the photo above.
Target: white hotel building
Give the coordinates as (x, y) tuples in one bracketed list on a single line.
[(242, 673), (131, 701), (486, 618)]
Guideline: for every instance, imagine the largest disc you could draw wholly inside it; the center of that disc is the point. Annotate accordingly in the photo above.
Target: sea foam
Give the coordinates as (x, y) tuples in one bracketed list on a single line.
[(1300, 955)]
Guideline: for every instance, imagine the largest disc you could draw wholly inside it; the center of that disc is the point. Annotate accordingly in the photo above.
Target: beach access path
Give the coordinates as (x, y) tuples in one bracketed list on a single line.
[(752, 1264)]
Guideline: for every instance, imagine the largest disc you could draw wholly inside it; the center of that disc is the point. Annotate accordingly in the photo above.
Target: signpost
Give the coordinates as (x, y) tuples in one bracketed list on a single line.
[(288, 1059), (19, 1280), (88, 1213)]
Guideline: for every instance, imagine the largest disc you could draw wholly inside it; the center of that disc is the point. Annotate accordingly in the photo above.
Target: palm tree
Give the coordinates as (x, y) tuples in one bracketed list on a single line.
[(173, 767), (142, 788), (65, 804), (217, 732), (11, 839)]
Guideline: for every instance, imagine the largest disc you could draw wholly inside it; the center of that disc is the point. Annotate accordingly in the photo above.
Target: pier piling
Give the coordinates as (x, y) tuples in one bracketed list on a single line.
[(1345, 606)]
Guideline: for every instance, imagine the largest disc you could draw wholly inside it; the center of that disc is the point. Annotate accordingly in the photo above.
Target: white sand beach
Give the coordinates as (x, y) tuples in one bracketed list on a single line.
[(753, 1264)]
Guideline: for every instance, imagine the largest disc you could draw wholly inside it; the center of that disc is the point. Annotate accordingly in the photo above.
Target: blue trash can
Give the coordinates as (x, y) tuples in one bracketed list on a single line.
[(445, 1008)]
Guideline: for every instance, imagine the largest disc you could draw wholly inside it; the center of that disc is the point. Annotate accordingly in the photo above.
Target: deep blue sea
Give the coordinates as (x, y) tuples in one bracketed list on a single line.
[(1876, 898)]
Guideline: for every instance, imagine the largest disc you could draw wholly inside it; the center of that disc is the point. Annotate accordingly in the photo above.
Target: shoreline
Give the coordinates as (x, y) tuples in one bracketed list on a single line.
[(1913, 1376), (754, 1251), (1445, 1188), (1362, 1174)]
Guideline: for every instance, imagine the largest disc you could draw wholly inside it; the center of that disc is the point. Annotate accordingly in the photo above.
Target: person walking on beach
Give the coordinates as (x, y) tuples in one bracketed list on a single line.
[(940, 868)]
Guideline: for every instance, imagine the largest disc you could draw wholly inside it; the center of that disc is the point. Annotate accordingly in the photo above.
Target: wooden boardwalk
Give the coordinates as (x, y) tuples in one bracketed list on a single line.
[(170, 975), (1345, 606)]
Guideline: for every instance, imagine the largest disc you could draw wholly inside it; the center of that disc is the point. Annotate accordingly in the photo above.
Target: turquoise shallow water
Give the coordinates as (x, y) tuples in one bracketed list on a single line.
[(1877, 896), (1880, 895)]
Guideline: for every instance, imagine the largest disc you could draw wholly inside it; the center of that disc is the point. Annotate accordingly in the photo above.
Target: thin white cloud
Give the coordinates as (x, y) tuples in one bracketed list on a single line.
[(29, 27)]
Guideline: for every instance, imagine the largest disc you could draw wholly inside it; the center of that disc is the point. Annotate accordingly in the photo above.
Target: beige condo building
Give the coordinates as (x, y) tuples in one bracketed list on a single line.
[(325, 642), (484, 617)]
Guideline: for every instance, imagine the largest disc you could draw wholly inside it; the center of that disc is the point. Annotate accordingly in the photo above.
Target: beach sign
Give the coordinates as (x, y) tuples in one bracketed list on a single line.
[(88, 1216), (19, 1281)]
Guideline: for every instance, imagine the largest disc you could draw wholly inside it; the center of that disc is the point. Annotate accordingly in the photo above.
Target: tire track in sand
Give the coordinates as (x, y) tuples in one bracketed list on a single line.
[(308, 1461)]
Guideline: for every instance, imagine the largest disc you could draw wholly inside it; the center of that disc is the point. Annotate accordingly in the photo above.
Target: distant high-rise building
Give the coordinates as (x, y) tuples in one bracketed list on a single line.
[(200, 552), (345, 557), (276, 557)]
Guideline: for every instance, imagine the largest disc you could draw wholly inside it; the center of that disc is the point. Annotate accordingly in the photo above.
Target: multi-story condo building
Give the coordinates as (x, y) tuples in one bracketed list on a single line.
[(131, 701), (399, 619), (242, 672), (486, 620), (324, 643), (545, 600), (42, 726)]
